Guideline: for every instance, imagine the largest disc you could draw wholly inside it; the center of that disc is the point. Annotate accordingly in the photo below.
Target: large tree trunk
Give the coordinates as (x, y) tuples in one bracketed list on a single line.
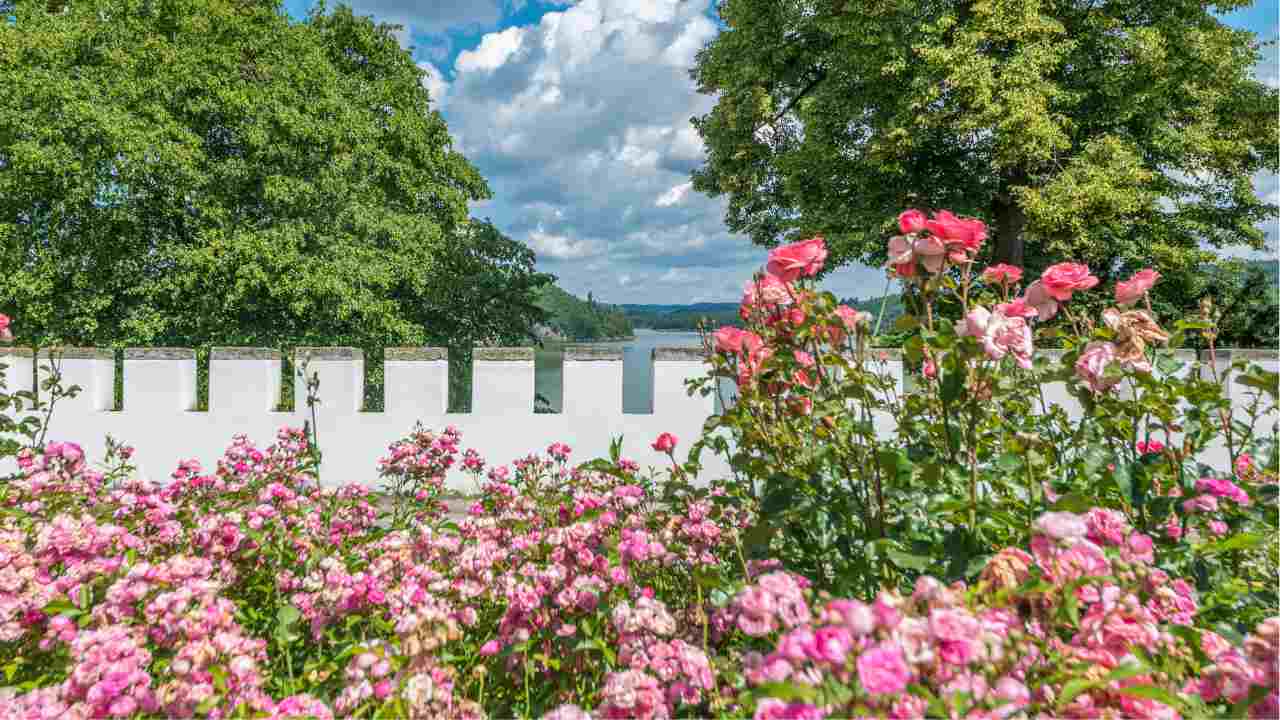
[(1010, 222)]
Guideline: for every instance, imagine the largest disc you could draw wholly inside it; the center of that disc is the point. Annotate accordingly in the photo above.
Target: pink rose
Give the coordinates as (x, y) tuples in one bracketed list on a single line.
[(1063, 279), (1000, 335), (804, 258), (1131, 291), (1002, 274), (5, 334), (728, 339), (1061, 526), (1153, 447), (1017, 307), (1038, 297), (666, 443), (767, 291), (490, 648), (882, 670), (1093, 363), (911, 221)]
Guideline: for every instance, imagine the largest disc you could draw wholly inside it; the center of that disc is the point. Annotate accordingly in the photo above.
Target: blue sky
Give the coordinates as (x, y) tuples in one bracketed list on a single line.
[(577, 113)]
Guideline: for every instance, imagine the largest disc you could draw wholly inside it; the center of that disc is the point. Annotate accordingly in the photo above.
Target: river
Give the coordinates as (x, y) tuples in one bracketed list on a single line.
[(637, 357)]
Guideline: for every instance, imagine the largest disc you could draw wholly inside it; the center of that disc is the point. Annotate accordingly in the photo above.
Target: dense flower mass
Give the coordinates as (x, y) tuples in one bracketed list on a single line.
[(1091, 570)]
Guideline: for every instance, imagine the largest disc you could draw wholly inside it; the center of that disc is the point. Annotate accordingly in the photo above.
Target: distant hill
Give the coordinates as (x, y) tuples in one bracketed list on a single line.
[(713, 315), (575, 319)]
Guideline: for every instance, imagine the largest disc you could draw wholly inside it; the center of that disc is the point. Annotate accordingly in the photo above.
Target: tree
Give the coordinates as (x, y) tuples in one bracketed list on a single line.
[(1116, 133), (194, 172)]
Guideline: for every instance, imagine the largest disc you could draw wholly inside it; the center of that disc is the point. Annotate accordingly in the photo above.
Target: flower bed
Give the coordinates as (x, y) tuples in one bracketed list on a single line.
[(987, 559)]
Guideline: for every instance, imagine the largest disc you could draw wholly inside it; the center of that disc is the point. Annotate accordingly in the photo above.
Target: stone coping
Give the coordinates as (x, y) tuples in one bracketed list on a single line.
[(159, 353), (24, 352), (243, 353), (590, 352), (678, 354), (416, 353), (1230, 354), (79, 353), (328, 353), (502, 354)]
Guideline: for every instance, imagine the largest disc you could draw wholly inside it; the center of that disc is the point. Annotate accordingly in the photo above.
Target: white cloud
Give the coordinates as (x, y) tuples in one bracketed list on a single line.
[(561, 247), (494, 51), (437, 86)]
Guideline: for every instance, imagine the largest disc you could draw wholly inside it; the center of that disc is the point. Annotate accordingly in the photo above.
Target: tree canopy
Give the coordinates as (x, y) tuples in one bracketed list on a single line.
[(210, 171), (1111, 132)]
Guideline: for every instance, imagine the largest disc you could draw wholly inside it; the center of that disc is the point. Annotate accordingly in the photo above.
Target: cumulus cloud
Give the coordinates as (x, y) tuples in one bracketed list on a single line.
[(580, 123)]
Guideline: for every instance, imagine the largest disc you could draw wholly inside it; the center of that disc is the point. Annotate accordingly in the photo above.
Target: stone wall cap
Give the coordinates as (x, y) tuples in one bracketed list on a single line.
[(416, 353), (328, 353), (244, 353), (592, 352), (502, 354), (10, 351), (159, 353), (79, 353), (680, 353), (1230, 354)]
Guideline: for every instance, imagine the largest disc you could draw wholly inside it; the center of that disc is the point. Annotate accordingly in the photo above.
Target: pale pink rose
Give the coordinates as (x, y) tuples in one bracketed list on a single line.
[(1038, 297), (911, 221), (1002, 274), (1000, 335), (1106, 527), (1063, 279), (931, 251), (804, 358), (882, 670), (1131, 291), (804, 258), (1093, 363), (1061, 526)]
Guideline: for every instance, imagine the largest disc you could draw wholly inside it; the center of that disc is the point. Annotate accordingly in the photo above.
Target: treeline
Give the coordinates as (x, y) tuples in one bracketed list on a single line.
[(714, 315), (572, 318)]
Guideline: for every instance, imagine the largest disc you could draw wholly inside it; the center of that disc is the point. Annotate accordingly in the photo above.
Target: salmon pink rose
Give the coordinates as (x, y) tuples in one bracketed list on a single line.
[(1017, 307), (1002, 274), (1063, 279), (1132, 290), (728, 339), (768, 290), (804, 258), (911, 221)]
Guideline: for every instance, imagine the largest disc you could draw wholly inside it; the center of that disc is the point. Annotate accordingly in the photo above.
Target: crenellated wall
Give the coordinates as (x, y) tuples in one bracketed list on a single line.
[(158, 416)]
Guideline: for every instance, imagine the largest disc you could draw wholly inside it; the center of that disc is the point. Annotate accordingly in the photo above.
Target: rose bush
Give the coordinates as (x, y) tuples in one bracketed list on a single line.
[(952, 548)]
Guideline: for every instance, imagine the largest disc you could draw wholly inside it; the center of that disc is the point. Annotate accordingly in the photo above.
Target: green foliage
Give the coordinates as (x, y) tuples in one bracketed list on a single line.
[(576, 319), (212, 173), (1088, 131)]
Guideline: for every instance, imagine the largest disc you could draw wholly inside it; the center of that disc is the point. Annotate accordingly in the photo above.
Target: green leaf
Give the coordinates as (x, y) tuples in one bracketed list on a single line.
[(787, 691), (1242, 541), (1151, 692), (907, 560), (1073, 502)]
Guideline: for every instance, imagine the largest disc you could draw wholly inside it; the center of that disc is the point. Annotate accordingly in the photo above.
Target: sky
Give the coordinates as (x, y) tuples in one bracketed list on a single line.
[(577, 114)]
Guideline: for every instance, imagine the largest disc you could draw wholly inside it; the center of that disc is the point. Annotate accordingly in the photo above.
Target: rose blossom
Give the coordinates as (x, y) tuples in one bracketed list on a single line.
[(911, 221), (1093, 364), (1061, 525), (1039, 298), (665, 443), (882, 670), (804, 258), (1002, 274), (999, 335), (904, 251), (5, 333), (1131, 291), (768, 291), (1064, 279)]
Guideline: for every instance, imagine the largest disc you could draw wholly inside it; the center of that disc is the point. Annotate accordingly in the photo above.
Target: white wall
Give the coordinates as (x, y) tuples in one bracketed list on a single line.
[(159, 394)]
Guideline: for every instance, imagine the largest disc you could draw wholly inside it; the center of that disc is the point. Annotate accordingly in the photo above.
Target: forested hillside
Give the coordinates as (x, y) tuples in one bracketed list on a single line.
[(575, 319)]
